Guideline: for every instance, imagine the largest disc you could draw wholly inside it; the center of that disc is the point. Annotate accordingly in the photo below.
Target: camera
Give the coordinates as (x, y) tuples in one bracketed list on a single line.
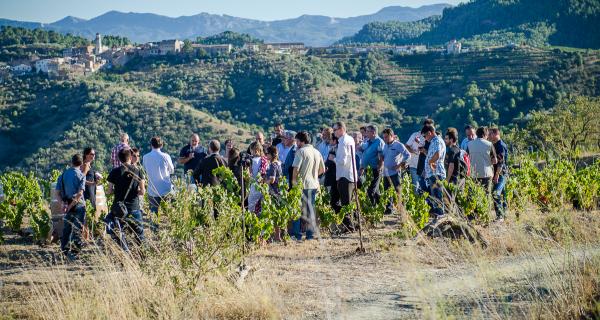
[(246, 159)]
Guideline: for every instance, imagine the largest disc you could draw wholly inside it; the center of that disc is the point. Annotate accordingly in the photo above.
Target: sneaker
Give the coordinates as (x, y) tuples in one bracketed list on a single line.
[(499, 220)]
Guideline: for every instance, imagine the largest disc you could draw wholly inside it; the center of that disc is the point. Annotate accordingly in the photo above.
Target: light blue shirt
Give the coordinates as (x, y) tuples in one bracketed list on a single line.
[(436, 145), (159, 168), (371, 152), (465, 143), (323, 148), (71, 182), (393, 154)]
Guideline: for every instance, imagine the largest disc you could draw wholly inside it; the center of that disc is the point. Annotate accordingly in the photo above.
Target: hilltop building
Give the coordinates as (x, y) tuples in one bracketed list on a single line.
[(213, 49), (169, 47), (98, 45), (21, 69), (453, 47)]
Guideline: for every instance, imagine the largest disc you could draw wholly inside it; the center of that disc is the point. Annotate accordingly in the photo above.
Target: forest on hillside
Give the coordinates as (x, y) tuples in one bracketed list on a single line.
[(496, 22)]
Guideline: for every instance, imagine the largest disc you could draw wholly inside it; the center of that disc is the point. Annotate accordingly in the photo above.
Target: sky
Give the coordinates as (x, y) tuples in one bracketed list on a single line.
[(52, 10)]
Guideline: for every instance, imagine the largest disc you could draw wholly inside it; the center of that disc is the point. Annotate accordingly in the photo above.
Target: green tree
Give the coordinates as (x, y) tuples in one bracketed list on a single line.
[(568, 127), (229, 93)]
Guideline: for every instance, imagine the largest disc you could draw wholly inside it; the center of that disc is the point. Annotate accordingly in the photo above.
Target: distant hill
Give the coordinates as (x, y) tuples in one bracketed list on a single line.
[(311, 29), (560, 22)]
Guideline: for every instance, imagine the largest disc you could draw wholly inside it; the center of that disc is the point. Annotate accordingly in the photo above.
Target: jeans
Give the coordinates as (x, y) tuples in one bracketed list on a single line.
[(309, 216), (346, 190), (373, 190), (436, 195), (116, 227), (388, 182), (73, 224), (499, 195), (415, 179)]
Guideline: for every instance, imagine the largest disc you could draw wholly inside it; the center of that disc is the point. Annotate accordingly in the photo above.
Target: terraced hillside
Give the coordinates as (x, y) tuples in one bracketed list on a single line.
[(301, 92), (93, 113), (419, 85)]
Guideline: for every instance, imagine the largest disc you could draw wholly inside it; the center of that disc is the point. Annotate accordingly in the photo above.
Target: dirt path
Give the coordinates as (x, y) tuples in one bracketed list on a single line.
[(327, 279)]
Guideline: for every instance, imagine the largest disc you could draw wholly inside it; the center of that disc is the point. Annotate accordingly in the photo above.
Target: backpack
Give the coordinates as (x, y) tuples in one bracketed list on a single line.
[(464, 164)]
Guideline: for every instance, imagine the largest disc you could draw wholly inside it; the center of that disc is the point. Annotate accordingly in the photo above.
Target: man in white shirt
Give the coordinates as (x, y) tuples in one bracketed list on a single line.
[(159, 168), (345, 168)]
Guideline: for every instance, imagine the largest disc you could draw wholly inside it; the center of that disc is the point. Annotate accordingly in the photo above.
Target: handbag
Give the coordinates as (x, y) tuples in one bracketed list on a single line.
[(119, 209)]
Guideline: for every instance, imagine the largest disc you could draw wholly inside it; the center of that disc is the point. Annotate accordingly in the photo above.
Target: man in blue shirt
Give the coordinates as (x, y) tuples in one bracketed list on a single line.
[(394, 158), (500, 174), (435, 172), (371, 158), (70, 186)]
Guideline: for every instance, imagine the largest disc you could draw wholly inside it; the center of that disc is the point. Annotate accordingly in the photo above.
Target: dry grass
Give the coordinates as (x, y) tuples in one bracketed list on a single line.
[(527, 272), (119, 287)]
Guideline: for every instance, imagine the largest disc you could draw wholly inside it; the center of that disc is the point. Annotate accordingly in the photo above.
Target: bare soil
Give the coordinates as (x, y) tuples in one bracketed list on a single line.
[(329, 279)]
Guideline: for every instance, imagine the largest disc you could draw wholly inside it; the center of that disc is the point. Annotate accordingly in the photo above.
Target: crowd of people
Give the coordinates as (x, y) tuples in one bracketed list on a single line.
[(339, 162)]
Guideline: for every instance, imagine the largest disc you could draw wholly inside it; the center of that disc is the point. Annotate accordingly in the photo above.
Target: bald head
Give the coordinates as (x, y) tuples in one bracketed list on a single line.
[(194, 140), (124, 138)]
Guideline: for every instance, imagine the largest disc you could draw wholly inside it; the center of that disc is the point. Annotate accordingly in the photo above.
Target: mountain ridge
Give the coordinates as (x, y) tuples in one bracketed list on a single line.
[(314, 30)]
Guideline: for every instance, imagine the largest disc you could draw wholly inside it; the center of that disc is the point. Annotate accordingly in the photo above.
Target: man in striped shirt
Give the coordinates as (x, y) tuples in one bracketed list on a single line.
[(114, 155)]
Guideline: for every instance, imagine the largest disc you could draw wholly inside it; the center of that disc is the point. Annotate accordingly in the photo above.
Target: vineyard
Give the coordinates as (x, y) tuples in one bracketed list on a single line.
[(192, 248), (189, 217)]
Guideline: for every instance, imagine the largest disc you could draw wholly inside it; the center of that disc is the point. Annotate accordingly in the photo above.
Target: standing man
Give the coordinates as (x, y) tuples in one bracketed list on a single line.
[(70, 186), (123, 144), (483, 157), (278, 131), (393, 160), (191, 155), (127, 184), (159, 168), (91, 176), (434, 169), (469, 136), (286, 144), (500, 174), (371, 158), (308, 165), (345, 168), (452, 160), (204, 171)]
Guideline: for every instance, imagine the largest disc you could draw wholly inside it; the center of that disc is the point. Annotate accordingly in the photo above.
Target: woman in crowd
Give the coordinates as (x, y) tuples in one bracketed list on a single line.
[(257, 172)]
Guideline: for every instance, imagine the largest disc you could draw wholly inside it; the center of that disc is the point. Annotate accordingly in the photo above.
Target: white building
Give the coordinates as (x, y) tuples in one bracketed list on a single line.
[(21, 69), (251, 47), (214, 49), (170, 46), (453, 47), (98, 49), (49, 65)]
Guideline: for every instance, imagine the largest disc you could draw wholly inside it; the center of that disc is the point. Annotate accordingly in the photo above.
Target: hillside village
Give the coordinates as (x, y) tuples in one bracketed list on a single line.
[(85, 60)]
